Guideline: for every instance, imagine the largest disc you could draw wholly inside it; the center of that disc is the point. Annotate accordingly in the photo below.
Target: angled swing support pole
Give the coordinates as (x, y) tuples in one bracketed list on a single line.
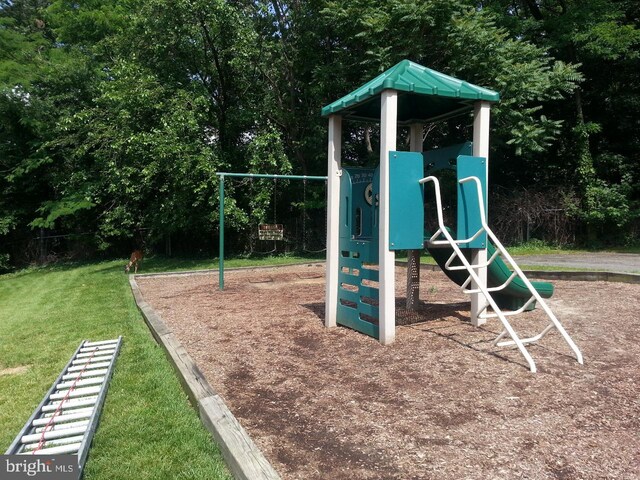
[(221, 176)]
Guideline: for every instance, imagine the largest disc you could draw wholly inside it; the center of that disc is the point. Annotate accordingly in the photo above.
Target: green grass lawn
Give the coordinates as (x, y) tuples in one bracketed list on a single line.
[(159, 263), (147, 430)]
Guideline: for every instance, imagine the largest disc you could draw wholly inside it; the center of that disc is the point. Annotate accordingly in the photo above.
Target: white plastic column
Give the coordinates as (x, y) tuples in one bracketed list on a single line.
[(334, 172), (386, 285), (413, 256), (481, 118)]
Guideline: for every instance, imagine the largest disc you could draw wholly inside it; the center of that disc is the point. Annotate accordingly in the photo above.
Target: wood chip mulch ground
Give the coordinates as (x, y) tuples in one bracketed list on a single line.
[(440, 403)]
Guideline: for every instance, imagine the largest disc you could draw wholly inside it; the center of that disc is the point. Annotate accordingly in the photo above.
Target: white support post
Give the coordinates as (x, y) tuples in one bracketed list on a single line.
[(481, 119), (334, 171), (386, 284), (413, 256)]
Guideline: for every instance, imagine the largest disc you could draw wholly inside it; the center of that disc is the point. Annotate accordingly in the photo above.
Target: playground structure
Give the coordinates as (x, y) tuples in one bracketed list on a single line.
[(372, 213)]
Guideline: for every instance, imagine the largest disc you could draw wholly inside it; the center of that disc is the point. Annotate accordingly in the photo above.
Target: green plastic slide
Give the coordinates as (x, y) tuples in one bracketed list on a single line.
[(514, 295)]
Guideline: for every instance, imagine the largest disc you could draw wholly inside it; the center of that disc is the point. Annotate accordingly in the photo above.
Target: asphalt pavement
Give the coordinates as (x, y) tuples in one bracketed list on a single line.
[(598, 261)]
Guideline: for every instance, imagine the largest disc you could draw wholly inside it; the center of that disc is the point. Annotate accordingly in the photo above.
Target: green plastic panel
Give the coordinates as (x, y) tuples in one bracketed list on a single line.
[(358, 249), (468, 208), (356, 213), (444, 158), (406, 201), (357, 307)]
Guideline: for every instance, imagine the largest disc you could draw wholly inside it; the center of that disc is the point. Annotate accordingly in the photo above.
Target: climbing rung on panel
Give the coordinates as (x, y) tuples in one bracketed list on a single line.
[(486, 291), (67, 417)]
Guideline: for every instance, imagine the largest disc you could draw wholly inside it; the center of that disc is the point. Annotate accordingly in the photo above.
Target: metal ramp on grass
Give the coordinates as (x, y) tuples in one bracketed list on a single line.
[(67, 417), (474, 279)]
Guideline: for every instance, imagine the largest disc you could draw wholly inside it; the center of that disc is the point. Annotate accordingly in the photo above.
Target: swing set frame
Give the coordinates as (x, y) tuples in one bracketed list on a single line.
[(221, 176)]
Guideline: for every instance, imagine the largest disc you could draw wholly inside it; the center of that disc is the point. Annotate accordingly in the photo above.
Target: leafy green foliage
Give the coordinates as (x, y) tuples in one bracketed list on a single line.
[(601, 39), (115, 115)]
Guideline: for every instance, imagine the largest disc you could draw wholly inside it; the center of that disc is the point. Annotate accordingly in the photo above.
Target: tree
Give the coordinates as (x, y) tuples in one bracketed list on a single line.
[(600, 135)]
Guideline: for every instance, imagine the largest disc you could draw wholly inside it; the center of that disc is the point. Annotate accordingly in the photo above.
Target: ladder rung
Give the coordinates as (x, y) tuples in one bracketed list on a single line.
[(67, 412), (481, 265), (103, 353), (96, 348), (436, 243), (495, 289), (54, 443), (41, 422), (528, 340), (87, 373), (91, 366), (80, 392), (88, 361), (80, 383), (69, 432), (69, 404), (509, 314), (61, 450), (63, 426), (505, 284), (103, 342)]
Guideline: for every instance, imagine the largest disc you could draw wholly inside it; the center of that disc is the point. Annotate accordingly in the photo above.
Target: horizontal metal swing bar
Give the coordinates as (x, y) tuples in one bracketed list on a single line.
[(265, 175)]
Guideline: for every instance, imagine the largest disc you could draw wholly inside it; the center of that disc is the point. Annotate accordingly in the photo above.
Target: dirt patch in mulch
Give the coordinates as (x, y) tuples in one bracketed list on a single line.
[(439, 403)]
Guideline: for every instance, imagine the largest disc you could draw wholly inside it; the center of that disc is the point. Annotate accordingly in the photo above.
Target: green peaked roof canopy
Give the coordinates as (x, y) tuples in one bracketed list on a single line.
[(424, 95)]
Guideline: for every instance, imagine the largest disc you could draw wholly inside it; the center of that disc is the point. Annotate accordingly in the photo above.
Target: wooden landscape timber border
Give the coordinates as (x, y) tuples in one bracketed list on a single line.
[(210, 271), (243, 457)]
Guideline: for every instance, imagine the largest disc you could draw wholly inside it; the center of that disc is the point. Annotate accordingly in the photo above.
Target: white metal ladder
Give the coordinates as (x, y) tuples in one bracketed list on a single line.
[(66, 419), (486, 291)]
